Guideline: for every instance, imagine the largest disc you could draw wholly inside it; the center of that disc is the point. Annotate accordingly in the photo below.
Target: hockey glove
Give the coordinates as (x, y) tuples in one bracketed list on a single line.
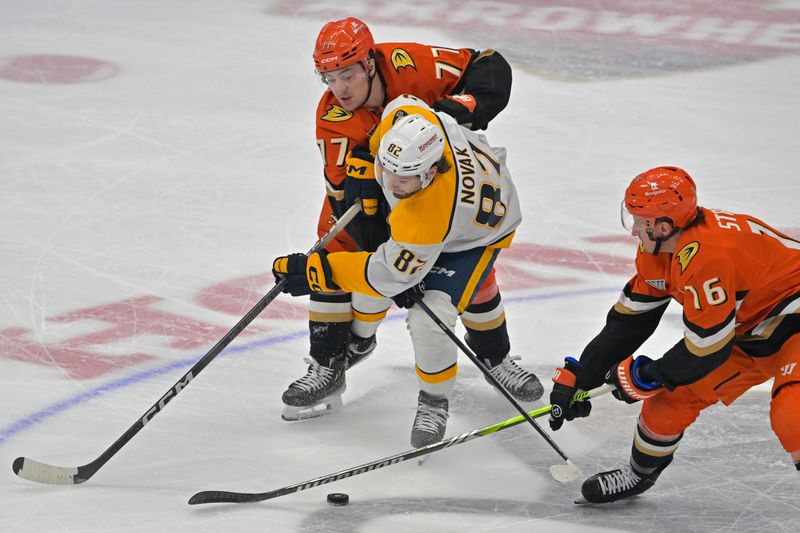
[(460, 107), (360, 181), (565, 385), (631, 379), (410, 296), (304, 274)]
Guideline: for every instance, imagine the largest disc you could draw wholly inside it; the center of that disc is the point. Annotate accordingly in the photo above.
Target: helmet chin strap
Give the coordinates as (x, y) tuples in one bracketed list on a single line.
[(369, 82), (660, 240)]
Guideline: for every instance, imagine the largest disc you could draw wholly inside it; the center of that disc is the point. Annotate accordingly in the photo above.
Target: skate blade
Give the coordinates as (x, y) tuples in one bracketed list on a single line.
[(325, 407)]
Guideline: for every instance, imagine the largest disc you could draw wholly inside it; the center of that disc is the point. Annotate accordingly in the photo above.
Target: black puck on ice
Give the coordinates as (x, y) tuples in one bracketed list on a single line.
[(338, 498)]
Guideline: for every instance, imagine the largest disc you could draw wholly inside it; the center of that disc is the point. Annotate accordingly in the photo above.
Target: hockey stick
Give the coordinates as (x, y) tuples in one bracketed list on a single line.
[(60, 475), (217, 496), (564, 472)]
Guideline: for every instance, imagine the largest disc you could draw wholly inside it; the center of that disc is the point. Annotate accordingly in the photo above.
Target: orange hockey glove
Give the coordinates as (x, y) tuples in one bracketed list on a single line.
[(631, 380), (459, 106)]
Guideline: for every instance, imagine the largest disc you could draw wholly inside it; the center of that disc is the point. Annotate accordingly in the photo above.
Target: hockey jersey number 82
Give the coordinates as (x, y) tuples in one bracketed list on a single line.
[(473, 204)]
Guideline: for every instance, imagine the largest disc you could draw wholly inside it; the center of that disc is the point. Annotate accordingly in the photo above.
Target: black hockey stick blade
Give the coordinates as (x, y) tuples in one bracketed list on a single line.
[(221, 496)]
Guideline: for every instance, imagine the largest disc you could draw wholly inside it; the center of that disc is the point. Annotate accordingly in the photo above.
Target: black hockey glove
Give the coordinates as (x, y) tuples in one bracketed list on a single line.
[(360, 181), (460, 107), (565, 385), (410, 296), (632, 380)]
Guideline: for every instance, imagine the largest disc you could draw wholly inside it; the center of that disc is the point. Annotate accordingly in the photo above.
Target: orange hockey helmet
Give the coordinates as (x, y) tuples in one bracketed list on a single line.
[(663, 193), (342, 43)]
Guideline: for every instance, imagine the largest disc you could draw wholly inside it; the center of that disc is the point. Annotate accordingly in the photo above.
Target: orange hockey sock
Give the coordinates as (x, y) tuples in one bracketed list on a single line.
[(785, 417)]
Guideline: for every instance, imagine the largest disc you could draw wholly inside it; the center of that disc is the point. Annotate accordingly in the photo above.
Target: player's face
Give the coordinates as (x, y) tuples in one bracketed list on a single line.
[(401, 186), (350, 85), (639, 229)]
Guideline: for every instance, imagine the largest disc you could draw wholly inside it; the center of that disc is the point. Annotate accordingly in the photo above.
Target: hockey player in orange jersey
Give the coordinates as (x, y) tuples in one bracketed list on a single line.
[(738, 281), (362, 77)]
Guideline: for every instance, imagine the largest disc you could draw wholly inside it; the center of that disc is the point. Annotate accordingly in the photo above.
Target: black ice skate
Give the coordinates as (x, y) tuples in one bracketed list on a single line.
[(431, 420), (524, 386), (317, 393), (616, 484), (358, 349)]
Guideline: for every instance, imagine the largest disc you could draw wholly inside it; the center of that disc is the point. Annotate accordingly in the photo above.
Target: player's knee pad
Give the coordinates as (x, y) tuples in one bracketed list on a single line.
[(671, 412), (425, 333), (784, 414), (487, 334), (368, 312), (434, 352)]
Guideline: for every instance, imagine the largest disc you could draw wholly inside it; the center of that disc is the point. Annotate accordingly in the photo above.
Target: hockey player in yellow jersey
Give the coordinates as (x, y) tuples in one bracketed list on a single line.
[(454, 207)]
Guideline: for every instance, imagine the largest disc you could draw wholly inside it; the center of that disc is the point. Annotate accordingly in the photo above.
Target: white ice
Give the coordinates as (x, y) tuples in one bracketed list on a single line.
[(194, 164)]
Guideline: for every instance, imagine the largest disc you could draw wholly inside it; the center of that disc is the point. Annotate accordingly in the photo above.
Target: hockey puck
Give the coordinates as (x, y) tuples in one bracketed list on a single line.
[(338, 498)]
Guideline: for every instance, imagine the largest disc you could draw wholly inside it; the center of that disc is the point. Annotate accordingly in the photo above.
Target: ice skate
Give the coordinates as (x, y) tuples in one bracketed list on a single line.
[(616, 484), (524, 386), (358, 349), (317, 393), (431, 420)]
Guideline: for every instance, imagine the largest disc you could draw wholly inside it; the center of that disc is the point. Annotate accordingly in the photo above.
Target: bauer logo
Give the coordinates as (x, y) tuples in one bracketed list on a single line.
[(592, 40)]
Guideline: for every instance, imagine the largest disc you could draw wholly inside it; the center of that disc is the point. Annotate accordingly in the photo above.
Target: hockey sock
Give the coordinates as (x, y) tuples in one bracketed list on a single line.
[(650, 452), (487, 333), (329, 318), (786, 420)]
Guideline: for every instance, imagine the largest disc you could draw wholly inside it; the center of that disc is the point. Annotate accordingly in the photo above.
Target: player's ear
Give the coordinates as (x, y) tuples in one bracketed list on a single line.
[(370, 65), (664, 228), (432, 171)]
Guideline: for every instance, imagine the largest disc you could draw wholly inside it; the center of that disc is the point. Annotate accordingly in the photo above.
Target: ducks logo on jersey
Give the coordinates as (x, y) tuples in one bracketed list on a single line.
[(686, 254), (402, 59), (337, 113)]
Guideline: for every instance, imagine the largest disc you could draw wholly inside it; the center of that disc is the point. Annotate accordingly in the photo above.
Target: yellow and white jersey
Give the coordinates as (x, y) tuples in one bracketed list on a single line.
[(473, 204)]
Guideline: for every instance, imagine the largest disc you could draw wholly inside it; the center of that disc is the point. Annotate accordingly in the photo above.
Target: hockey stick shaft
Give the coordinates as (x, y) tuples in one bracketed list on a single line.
[(216, 496), (57, 475), (491, 377)]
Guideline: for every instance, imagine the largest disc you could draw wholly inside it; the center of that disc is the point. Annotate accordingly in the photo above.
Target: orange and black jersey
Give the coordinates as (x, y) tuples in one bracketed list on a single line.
[(738, 281), (427, 72)]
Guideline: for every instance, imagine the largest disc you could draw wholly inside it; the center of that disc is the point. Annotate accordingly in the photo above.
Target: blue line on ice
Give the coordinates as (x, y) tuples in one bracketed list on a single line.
[(42, 415)]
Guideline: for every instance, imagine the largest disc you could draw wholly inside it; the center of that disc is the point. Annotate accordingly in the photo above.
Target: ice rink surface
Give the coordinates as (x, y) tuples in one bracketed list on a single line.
[(155, 157)]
